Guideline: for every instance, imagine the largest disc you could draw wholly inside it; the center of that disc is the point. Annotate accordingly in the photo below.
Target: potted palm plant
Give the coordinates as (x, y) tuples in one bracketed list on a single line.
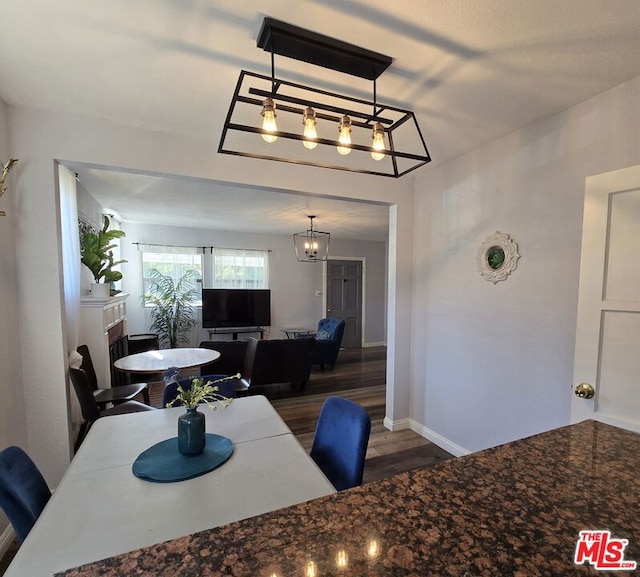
[(172, 312), (96, 253)]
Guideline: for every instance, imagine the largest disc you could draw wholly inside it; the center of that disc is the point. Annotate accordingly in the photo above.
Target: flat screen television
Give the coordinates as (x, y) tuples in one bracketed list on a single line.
[(236, 308)]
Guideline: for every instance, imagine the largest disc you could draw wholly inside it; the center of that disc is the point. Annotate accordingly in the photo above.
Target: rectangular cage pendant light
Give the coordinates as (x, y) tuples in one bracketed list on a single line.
[(273, 119), (311, 245)]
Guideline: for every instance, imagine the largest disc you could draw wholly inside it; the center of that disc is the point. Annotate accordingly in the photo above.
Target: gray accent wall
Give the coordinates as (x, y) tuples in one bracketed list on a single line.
[(294, 302)]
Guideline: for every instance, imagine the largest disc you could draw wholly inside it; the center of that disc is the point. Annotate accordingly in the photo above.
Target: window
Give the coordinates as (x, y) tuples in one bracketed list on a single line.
[(239, 268), (219, 267), (172, 261)]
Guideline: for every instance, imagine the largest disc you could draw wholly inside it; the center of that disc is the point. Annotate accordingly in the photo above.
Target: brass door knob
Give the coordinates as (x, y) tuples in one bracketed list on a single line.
[(585, 391)]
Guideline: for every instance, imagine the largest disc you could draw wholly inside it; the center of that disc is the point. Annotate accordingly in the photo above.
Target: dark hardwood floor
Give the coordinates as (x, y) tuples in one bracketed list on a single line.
[(359, 375)]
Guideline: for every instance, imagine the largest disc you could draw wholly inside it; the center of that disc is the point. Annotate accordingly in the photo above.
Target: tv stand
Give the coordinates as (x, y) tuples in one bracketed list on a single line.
[(234, 331)]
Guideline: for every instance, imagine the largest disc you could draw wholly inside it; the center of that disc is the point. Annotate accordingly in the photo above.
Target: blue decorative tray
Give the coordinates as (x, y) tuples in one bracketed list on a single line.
[(163, 463)]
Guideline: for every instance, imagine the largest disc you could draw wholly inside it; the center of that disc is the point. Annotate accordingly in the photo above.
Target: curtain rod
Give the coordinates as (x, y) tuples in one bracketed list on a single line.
[(201, 247)]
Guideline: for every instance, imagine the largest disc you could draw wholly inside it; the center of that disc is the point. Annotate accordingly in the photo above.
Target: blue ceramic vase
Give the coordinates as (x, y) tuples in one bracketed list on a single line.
[(191, 433)]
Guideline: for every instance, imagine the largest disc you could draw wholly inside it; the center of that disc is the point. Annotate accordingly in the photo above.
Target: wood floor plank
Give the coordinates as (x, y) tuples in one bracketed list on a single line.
[(359, 375)]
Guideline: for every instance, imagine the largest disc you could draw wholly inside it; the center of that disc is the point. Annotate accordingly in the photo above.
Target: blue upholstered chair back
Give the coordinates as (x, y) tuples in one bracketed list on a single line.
[(328, 341), (340, 442), (23, 491), (330, 329), (226, 388)]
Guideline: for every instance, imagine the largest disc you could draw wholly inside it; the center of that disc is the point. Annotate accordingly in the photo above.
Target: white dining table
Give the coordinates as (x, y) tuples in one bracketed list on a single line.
[(100, 509), (157, 361)]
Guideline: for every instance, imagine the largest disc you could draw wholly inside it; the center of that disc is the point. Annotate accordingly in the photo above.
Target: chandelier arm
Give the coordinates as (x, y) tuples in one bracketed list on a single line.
[(374, 98), (227, 120), (295, 85), (314, 104), (394, 162), (273, 73), (317, 164), (319, 115)]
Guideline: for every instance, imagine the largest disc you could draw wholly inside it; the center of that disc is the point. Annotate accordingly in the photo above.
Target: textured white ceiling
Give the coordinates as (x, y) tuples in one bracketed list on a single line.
[(224, 206), (471, 70)]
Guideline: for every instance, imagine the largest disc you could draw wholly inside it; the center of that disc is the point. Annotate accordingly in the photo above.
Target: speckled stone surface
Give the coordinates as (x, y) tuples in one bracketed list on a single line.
[(514, 510)]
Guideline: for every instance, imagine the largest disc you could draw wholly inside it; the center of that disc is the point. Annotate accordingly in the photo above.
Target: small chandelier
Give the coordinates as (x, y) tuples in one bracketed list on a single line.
[(311, 245), (338, 131)]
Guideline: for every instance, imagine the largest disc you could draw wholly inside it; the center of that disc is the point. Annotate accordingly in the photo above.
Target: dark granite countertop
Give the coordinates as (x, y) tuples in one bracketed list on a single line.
[(514, 510)]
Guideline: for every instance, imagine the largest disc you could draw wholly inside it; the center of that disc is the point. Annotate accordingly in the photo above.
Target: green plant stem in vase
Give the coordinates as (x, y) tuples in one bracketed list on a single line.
[(191, 425)]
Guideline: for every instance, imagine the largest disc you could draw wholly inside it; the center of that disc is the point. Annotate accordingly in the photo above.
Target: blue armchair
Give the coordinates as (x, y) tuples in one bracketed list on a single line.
[(328, 341)]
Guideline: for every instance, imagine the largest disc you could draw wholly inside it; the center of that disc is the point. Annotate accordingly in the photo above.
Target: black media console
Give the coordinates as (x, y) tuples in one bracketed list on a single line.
[(234, 331)]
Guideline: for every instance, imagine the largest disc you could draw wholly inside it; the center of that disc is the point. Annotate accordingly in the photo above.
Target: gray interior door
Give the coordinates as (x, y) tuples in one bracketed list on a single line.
[(344, 298)]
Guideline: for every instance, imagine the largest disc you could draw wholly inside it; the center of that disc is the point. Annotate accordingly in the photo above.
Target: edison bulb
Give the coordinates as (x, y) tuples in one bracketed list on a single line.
[(269, 120), (378, 141), (345, 135), (310, 134)]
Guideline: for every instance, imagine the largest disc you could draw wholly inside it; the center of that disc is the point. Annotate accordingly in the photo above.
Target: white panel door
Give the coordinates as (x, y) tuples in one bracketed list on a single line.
[(607, 356)]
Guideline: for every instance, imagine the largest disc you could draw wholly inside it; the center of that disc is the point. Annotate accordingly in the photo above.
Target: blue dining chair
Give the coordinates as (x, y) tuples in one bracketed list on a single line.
[(340, 442), (23, 491), (226, 388)]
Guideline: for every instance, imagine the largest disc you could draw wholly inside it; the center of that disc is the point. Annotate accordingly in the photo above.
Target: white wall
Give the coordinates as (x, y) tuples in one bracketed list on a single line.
[(39, 139), (493, 363), (487, 364), (293, 284), (12, 415)]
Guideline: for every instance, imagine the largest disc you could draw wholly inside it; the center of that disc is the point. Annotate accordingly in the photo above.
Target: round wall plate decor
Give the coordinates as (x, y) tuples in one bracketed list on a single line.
[(497, 257)]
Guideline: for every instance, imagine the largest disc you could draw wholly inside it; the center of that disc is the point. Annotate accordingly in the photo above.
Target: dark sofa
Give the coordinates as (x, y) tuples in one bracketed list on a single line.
[(276, 361)]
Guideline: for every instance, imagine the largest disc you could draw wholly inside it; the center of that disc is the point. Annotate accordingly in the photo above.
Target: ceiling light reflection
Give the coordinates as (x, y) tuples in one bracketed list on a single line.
[(342, 559), (311, 569), (373, 548)]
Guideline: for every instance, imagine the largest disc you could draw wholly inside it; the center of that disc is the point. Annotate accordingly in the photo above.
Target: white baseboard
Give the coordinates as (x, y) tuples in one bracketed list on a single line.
[(380, 344), (6, 538), (398, 425), (437, 439)]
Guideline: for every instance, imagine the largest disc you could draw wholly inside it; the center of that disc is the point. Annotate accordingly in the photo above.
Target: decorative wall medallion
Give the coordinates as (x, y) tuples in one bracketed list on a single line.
[(497, 257)]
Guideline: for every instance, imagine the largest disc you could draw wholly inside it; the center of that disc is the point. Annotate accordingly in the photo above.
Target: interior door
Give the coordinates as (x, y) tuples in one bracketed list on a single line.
[(344, 298), (606, 383)]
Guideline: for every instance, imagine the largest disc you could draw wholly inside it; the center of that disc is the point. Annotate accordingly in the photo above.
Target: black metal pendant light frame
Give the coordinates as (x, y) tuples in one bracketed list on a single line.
[(293, 99), (311, 245)]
